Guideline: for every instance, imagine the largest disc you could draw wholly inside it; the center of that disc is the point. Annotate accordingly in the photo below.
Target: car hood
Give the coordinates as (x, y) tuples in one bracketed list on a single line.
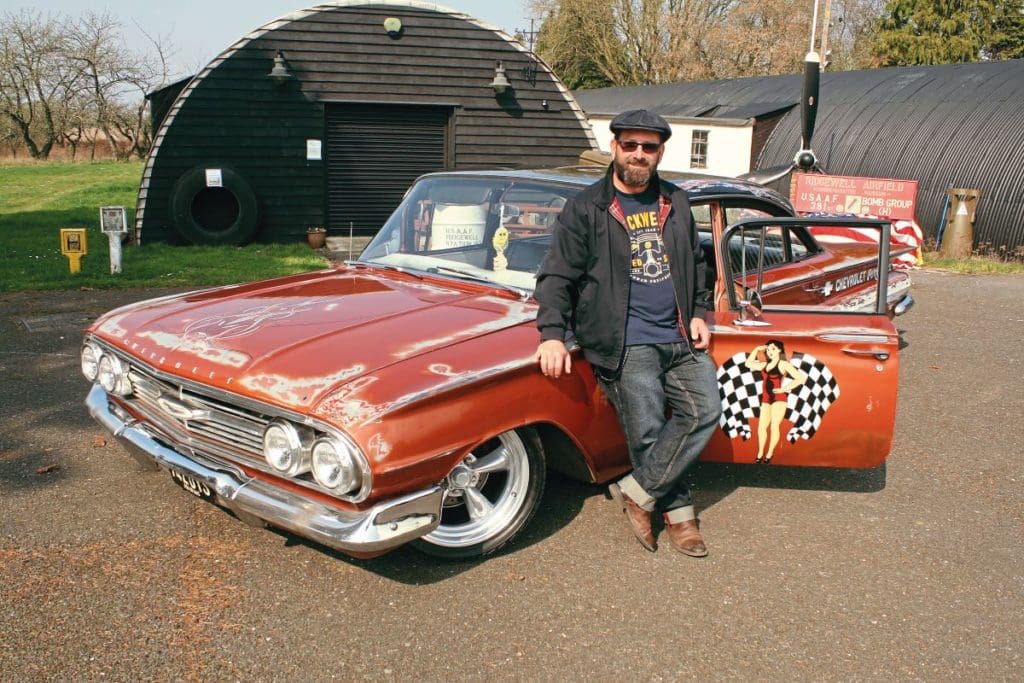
[(293, 341)]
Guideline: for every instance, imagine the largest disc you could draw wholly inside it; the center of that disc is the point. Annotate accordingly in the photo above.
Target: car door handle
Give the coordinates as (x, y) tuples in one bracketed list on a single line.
[(877, 353)]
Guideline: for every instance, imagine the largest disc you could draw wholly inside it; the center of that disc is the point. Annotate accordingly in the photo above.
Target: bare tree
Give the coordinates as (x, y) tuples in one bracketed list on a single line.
[(634, 42), (64, 80), (149, 73), (761, 38), (117, 80), (9, 135), (577, 38), (36, 78), (852, 28)]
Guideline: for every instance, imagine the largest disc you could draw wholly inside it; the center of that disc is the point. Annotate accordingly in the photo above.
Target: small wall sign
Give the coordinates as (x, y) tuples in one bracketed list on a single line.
[(214, 178), (113, 220), (883, 197), (314, 150)]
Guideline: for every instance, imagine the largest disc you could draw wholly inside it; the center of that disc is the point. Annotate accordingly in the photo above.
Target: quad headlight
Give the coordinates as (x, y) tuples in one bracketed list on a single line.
[(112, 374), (335, 465), (286, 447), (91, 361)]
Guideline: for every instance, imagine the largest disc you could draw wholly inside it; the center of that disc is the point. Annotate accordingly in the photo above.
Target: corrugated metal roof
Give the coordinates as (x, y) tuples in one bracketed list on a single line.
[(692, 99), (955, 125)]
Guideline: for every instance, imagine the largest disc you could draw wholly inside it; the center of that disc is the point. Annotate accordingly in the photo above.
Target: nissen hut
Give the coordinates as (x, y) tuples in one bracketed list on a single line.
[(325, 116)]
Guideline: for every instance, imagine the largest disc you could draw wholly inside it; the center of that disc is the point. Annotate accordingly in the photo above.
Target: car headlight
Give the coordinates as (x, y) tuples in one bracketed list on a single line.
[(334, 466), (112, 374), (90, 361), (286, 448)]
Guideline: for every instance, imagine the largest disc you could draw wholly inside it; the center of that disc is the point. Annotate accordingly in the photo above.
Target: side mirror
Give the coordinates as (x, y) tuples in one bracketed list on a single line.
[(752, 303), (750, 309)]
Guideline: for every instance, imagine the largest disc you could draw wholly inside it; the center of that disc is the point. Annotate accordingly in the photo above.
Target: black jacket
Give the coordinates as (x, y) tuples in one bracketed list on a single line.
[(583, 283)]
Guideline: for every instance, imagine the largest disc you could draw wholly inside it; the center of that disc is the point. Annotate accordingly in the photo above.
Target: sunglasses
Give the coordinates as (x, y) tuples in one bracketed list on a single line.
[(631, 145)]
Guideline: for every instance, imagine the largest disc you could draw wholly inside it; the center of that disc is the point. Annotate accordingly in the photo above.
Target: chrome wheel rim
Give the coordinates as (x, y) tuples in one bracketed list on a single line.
[(484, 493)]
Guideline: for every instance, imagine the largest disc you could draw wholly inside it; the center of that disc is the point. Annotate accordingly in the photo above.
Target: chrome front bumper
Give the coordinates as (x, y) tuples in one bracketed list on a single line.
[(367, 532)]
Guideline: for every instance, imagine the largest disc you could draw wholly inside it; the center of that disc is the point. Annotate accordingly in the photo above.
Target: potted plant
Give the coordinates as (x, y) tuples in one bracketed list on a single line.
[(316, 236)]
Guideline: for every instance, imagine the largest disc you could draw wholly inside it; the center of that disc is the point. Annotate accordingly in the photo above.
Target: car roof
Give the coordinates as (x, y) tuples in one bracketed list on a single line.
[(699, 187)]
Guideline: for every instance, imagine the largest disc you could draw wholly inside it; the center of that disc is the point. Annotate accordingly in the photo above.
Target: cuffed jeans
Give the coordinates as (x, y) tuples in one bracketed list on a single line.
[(655, 376)]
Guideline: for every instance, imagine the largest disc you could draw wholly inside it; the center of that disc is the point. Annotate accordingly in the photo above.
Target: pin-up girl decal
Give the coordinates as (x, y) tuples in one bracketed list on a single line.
[(771, 387), (778, 378)]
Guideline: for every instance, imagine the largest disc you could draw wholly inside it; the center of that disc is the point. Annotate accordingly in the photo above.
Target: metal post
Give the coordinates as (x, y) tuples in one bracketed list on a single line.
[(814, 26), (114, 222), (826, 21), (884, 246), (115, 252)]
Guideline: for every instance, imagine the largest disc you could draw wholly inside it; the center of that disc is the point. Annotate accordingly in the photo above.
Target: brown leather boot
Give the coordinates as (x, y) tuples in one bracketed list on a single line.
[(638, 518), (686, 537)]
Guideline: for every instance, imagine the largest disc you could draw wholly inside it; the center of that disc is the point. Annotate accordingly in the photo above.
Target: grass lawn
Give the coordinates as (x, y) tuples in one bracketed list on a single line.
[(973, 265), (37, 199)]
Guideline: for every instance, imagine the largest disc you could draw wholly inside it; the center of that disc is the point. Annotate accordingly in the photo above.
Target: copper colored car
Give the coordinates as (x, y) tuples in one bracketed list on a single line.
[(393, 399)]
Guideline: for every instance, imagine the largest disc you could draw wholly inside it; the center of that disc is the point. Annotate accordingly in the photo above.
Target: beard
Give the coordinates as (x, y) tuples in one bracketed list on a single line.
[(634, 175)]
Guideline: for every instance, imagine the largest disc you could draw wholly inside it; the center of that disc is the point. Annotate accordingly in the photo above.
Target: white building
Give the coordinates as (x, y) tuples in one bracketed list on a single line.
[(715, 139), (713, 146)]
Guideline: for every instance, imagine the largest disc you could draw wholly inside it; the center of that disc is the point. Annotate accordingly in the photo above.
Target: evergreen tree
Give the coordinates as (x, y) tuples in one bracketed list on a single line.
[(945, 31), (1007, 41)]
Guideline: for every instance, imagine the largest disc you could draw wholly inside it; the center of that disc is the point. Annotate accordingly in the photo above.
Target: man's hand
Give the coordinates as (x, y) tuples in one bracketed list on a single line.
[(699, 333), (553, 358)]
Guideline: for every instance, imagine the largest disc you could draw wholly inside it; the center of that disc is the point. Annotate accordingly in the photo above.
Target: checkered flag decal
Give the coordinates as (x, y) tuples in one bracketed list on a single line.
[(739, 389), (807, 404)]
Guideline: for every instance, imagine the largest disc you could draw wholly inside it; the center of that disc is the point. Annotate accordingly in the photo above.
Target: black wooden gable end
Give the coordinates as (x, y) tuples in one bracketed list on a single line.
[(383, 109)]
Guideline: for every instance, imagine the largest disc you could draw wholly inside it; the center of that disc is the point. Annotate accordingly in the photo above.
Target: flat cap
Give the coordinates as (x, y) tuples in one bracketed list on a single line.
[(641, 119)]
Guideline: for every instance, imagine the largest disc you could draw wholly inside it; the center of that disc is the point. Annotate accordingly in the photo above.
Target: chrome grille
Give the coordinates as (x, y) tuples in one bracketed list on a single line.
[(191, 418), (177, 411)]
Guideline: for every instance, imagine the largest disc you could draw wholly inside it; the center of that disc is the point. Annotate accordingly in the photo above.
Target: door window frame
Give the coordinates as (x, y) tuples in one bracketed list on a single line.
[(884, 227)]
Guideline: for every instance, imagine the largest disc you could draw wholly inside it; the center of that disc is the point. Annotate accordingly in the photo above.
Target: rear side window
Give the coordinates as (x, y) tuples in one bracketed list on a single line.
[(782, 244)]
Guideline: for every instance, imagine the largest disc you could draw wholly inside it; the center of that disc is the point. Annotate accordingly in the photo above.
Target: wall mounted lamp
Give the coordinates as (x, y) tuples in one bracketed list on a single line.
[(500, 82), (393, 27), (530, 72), (279, 74)]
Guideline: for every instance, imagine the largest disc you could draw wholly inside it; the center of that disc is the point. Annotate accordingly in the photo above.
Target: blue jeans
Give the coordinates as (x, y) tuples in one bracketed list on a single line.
[(655, 376)]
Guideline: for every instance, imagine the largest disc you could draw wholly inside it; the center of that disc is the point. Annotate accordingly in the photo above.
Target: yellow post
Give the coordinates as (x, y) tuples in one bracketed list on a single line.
[(74, 245)]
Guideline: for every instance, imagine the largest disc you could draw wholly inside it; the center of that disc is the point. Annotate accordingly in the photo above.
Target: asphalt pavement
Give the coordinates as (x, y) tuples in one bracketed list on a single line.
[(914, 571)]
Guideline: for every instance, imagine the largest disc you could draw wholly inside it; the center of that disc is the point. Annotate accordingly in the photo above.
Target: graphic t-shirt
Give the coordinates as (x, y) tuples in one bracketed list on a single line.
[(652, 302)]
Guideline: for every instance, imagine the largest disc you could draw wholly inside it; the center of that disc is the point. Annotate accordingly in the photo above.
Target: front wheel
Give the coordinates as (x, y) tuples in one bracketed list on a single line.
[(490, 496)]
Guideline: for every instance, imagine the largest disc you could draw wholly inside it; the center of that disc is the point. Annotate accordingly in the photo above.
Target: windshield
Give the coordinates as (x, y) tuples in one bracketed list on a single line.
[(492, 229)]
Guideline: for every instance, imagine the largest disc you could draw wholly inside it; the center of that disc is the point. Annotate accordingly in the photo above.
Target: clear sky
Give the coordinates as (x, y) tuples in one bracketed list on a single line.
[(200, 30)]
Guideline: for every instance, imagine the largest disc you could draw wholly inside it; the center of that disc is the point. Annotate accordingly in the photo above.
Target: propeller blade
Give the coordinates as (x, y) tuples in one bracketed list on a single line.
[(763, 176), (809, 103)]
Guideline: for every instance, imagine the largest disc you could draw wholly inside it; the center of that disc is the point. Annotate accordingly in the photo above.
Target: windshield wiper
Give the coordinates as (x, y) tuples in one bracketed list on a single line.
[(467, 275), (448, 270)]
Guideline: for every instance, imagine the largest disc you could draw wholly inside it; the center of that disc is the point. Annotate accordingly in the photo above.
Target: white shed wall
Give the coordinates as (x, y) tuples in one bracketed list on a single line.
[(728, 145)]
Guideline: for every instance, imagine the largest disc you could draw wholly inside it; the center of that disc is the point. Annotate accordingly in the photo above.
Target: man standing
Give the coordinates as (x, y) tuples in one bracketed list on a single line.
[(625, 274)]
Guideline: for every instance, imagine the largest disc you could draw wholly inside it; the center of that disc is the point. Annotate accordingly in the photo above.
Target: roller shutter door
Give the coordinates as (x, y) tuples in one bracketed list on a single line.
[(373, 153)]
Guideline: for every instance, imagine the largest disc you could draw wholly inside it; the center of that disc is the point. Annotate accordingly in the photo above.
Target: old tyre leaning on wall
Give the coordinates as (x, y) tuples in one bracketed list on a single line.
[(228, 214)]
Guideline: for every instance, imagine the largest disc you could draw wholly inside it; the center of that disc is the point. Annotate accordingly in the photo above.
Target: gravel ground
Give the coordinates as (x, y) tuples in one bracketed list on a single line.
[(912, 571)]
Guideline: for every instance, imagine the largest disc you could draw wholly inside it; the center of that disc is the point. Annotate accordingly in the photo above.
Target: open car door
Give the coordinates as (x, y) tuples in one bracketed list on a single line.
[(803, 385)]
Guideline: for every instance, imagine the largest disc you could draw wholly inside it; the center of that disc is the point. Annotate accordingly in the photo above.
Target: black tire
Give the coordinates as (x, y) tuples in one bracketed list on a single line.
[(460, 535), (204, 215)]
